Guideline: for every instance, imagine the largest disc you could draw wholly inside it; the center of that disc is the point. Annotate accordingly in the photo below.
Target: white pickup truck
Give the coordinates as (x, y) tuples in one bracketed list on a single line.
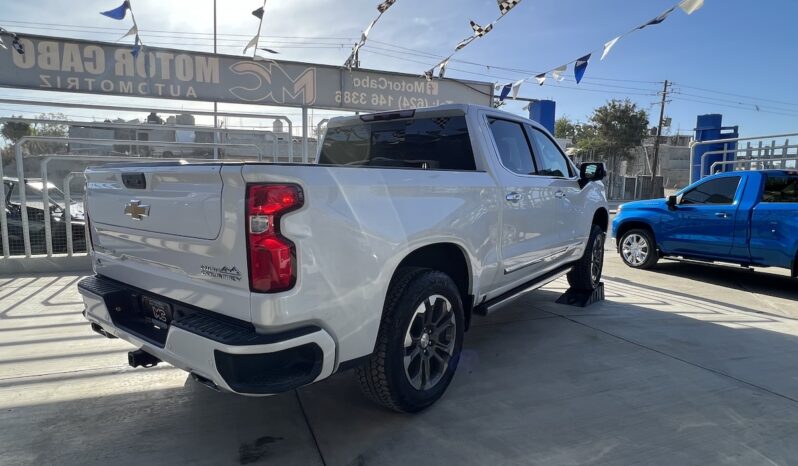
[(258, 278)]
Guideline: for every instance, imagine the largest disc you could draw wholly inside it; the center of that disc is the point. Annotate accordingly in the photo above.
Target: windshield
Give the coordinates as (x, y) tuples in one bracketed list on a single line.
[(34, 195)]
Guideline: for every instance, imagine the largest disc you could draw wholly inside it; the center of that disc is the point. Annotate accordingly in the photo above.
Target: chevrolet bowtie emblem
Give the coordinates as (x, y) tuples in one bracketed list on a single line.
[(136, 211)]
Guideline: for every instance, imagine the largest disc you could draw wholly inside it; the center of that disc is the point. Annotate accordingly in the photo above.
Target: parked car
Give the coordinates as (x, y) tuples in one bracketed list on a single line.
[(258, 278), (748, 218), (35, 206)]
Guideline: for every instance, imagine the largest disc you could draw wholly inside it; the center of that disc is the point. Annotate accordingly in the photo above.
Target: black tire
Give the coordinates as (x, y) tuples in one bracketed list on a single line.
[(384, 377), (647, 247), (586, 274)]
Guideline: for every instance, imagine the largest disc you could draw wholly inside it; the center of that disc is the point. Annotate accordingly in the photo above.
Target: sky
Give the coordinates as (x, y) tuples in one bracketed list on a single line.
[(730, 57)]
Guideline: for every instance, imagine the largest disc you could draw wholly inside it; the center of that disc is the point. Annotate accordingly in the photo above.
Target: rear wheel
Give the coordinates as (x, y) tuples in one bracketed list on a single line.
[(638, 249), (419, 342), (586, 274)]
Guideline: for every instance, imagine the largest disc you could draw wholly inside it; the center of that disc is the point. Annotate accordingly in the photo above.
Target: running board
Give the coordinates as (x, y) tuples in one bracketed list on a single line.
[(510, 296)]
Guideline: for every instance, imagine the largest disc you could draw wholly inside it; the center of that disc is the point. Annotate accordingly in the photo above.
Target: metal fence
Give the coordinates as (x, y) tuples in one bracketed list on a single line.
[(42, 193), (757, 153)]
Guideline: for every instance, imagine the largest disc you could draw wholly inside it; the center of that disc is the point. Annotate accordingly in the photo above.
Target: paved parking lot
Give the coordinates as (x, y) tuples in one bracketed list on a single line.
[(688, 364)]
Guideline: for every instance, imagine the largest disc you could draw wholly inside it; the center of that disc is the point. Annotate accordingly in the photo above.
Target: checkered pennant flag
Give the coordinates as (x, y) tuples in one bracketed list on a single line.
[(480, 31), (383, 7), (507, 5), (441, 122)]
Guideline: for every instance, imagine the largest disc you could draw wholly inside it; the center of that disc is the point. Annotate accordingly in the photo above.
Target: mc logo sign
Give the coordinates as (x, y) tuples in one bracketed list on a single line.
[(274, 85)]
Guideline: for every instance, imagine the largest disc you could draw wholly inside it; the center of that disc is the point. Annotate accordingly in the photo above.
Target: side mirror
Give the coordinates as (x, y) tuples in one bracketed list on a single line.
[(591, 171), (672, 202)]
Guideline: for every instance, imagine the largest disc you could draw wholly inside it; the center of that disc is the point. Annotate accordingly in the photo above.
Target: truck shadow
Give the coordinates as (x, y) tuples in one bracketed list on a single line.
[(624, 381), (759, 281)]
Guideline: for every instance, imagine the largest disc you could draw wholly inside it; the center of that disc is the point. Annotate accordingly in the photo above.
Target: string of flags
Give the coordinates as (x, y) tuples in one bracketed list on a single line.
[(253, 43), (353, 60), (580, 64), (478, 32), (15, 43), (119, 13)]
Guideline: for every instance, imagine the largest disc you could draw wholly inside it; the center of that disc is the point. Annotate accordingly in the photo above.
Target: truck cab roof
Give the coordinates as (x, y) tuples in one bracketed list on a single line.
[(440, 110)]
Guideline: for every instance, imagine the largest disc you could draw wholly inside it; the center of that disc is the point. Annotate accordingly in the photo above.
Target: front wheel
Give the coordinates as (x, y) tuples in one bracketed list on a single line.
[(419, 342), (638, 249), (586, 274)]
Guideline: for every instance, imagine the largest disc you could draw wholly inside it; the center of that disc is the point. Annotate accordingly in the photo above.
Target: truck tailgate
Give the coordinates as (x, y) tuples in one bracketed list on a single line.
[(180, 201), (173, 229)]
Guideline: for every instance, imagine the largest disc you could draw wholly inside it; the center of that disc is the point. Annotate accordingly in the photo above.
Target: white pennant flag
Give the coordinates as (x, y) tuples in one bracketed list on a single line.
[(608, 46), (465, 42), (365, 34), (526, 107), (557, 74), (541, 78), (691, 6), (443, 64), (252, 43), (517, 87), (132, 32), (350, 61)]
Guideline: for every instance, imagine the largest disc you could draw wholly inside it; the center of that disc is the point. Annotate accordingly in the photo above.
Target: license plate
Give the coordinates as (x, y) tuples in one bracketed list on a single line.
[(159, 312)]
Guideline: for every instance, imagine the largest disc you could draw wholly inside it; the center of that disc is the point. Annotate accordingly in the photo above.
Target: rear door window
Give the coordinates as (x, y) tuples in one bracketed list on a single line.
[(717, 191), (781, 188), (513, 146), (440, 143)]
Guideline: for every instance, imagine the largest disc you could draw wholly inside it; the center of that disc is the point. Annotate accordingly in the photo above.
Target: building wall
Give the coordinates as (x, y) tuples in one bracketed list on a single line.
[(674, 161)]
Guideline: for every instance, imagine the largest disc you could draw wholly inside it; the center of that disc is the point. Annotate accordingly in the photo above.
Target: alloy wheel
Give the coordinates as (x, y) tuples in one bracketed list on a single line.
[(635, 249), (429, 342), (597, 260)]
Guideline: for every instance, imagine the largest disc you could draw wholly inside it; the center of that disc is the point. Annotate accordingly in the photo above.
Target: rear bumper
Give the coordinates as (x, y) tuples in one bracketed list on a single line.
[(225, 351)]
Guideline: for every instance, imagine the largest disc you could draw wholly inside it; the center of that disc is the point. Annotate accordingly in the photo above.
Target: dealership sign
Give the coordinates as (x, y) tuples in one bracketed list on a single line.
[(59, 64)]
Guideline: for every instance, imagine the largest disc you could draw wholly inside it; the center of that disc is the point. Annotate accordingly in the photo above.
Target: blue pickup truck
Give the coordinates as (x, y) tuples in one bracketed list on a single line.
[(748, 218)]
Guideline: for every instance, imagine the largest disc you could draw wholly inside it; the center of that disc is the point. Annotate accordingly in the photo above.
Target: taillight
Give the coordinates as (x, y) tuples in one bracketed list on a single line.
[(272, 258)]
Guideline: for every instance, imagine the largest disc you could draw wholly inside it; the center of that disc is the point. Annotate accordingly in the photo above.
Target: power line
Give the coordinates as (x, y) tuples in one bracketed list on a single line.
[(52, 26), (515, 70), (276, 39), (508, 78), (762, 99), (737, 102), (751, 108), (524, 72)]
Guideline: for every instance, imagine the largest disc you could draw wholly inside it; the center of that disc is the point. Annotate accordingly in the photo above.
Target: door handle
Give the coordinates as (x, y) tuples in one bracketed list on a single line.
[(721, 214), (559, 194), (513, 197)]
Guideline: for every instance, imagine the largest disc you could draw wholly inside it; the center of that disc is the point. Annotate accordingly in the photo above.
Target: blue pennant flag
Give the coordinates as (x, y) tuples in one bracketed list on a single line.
[(136, 47), (658, 19), (505, 91), (118, 12), (580, 66)]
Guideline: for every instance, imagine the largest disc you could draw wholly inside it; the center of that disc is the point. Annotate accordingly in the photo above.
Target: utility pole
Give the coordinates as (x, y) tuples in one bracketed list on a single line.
[(655, 163)]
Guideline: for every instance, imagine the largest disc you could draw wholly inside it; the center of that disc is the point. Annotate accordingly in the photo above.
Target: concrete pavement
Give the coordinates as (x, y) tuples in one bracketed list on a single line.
[(687, 364)]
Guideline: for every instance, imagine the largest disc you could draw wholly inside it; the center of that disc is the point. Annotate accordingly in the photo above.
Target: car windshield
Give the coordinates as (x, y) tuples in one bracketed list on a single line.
[(34, 194)]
